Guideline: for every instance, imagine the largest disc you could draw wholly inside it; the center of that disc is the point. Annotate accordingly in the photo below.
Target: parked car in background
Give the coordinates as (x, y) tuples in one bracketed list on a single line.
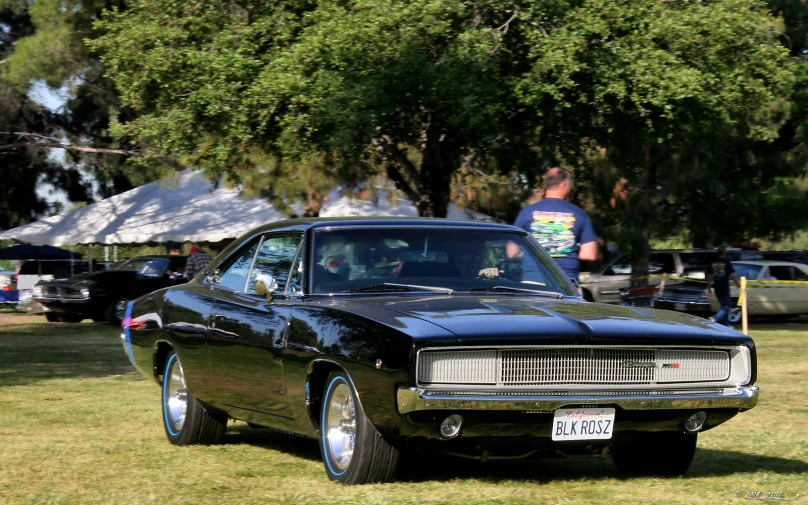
[(377, 336), (605, 285), (102, 296), (793, 256), (769, 299), (686, 294)]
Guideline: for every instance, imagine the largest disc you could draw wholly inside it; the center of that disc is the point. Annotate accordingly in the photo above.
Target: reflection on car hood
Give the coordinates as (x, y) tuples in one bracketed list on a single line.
[(507, 320)]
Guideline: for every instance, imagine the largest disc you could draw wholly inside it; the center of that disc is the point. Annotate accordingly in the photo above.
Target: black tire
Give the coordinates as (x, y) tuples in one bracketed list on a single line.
[(371, 458), (193, 426), (661, 454), (114, 314)]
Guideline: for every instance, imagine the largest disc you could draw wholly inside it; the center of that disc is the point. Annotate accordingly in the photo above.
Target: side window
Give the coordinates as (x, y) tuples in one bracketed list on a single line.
[(234, 275), (800, 275), (275, 258), (661, 263), (782, 273), (620, 267)]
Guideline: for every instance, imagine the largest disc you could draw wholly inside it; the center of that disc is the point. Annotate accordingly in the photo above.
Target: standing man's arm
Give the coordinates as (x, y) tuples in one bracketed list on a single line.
[(709, 282), (588, 251)]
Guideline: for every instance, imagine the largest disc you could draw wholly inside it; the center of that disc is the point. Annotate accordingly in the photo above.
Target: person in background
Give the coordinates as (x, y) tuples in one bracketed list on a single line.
[(718, 277), (196, 262), (562, 228)]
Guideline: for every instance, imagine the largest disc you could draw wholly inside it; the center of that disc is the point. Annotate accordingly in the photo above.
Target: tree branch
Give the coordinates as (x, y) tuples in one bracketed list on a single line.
[(43, 141)]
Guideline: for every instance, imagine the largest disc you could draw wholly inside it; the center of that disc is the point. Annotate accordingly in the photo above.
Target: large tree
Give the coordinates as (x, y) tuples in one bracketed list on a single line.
[(656, 92), (43, 49), (414, 87)]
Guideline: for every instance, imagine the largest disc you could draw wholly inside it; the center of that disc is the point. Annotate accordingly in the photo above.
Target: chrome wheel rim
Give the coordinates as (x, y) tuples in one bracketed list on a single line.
[(176, 397), (340, 427), (120, 308)]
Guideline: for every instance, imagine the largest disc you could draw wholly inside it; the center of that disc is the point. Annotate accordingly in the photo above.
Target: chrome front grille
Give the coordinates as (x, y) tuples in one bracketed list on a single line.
[(62, 292), (552, 366)]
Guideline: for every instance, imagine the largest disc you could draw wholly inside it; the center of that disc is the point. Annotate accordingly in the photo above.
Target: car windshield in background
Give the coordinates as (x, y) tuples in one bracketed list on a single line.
[(133, 265), (405, 259), (154, 268), (747, 270)]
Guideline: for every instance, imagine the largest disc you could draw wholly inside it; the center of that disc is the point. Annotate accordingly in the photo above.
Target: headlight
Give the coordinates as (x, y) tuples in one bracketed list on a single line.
[(85, 292), (37, 291)]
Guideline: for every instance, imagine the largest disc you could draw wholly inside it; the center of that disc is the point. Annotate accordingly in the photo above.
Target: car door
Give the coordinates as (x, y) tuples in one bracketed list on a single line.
[(246, 332), (782, 299)]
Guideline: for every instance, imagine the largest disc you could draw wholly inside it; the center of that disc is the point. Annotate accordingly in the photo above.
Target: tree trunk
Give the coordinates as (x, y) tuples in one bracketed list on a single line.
[(642, 211), (437, 164)]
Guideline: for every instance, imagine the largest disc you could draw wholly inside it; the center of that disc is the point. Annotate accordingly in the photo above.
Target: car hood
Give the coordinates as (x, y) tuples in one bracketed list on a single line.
[(105, 276), (517, 320)]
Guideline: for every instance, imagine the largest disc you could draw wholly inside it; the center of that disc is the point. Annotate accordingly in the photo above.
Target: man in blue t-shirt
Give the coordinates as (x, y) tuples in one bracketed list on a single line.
[(718, 277), (563, 229)]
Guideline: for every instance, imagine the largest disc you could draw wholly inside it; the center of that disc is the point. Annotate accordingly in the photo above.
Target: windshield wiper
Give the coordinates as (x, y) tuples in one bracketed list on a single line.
[(518, 290), (389, 286)]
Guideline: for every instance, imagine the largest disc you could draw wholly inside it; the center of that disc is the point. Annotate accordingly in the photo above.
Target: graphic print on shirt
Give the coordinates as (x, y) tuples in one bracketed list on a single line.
[(719, 270), (554, 231)]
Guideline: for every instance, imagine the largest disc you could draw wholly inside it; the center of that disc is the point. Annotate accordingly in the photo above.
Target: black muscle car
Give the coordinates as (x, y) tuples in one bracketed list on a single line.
[(381, 336), (102, 296)]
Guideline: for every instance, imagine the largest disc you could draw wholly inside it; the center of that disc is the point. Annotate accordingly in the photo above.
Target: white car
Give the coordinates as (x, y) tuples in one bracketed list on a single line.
[(769, 298)]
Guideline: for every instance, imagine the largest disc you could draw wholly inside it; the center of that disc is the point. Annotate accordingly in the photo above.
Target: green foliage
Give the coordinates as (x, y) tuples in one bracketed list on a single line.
[(222, 84), (647, 98)]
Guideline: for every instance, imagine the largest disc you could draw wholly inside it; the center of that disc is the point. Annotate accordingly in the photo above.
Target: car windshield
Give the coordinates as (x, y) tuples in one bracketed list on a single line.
[(400, 259), (154, 268), (747, 270), (133, 265)]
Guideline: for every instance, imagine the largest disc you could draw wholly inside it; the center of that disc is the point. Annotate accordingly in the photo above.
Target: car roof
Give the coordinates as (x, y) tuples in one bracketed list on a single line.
[(764, 263), (364, 221)]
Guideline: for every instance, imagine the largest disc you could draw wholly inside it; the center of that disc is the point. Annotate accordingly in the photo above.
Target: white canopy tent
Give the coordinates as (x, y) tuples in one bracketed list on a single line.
[(388, 205), (182, 208), (186, 208)]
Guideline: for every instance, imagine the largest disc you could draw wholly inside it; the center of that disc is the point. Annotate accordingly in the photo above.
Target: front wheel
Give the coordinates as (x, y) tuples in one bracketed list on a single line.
[(353, 451), (116, 311), (185, 420), (665, 454)]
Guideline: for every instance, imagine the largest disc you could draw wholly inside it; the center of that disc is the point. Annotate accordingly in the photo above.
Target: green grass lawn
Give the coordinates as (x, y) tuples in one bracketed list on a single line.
[(79, 426)]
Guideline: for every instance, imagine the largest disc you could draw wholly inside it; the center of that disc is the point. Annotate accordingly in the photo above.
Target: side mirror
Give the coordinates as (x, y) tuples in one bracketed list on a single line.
[(576, 284), (265, 285), (608, 271)]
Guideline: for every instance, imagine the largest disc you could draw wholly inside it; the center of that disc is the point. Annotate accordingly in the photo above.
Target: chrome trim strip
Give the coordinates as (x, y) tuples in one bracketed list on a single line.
[(411, 400)]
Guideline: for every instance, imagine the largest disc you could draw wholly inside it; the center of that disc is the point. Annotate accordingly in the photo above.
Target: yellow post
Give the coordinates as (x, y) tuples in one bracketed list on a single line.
[(661, 287), (744, 321)]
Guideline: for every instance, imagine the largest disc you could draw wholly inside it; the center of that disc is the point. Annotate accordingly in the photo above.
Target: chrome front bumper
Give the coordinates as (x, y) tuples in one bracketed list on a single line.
[(414, 399)]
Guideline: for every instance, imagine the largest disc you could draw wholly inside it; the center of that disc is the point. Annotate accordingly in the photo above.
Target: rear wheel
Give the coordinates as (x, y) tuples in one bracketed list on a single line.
[(353, 451), (185, 420), (666, 454)]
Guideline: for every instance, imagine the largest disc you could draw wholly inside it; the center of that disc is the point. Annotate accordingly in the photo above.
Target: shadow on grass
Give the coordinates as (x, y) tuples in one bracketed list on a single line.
[(300, 447), (425, 466), (39, 351)]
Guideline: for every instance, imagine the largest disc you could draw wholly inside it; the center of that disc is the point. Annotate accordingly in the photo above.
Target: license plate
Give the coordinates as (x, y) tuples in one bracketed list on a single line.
[(679, 306), (583, 424)]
